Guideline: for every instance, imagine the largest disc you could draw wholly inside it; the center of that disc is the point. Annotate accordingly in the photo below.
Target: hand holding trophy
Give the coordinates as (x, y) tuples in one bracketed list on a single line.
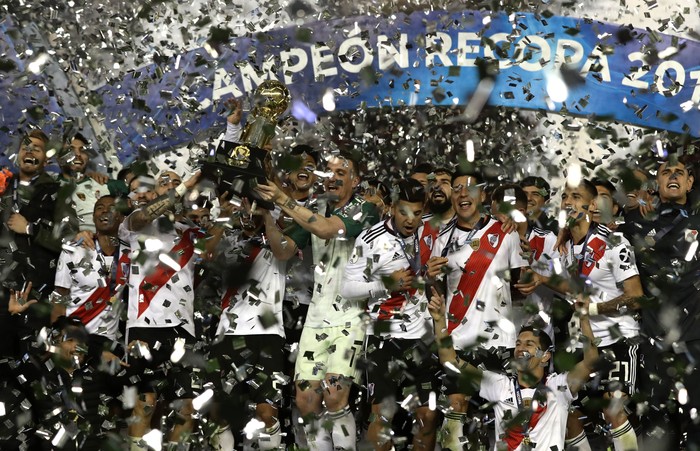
[(239, 167)]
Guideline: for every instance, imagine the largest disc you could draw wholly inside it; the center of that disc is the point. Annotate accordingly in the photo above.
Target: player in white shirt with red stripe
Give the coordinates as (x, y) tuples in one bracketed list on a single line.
[(475, 253), (439, 203), (602, 265), (531, 407), (509, 203), (89, 282), (160, 318), (251, 329), (383, 269)]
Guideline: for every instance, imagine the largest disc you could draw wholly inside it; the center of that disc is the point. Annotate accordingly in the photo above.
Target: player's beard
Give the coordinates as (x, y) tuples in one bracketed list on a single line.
[(441, 208)]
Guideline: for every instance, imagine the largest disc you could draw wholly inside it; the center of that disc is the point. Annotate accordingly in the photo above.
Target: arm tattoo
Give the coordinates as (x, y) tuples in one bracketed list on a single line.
[(623, 304), (159, 206), (290, 203)]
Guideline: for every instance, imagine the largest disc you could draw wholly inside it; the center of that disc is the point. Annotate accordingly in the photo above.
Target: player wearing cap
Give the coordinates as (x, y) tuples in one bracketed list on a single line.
[(383, 269), (602, 264), (332, 337), (531, 407), (474, 254)]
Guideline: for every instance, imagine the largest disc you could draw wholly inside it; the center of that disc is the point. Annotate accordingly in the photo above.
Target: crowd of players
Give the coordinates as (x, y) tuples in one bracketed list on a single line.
[(431, 310)]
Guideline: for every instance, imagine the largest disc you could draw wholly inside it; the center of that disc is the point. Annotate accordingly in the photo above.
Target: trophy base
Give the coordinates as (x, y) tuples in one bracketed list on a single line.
[(238, 180)]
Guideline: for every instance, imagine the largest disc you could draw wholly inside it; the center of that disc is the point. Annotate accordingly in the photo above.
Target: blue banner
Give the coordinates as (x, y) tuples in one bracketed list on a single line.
[(27, 98), (612, 72)]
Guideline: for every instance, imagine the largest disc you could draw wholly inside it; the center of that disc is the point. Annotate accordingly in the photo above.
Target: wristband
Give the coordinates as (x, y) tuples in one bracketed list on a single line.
[(29, 229), (592, 309), (180, 190)]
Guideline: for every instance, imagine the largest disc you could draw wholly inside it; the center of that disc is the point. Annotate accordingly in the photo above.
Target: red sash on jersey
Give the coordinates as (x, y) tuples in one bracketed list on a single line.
[(537, 246), (98, 301), (515, 435), (592, 255), (162, 273), (395, 303), (102, 296), (473, 274), (232, 291)]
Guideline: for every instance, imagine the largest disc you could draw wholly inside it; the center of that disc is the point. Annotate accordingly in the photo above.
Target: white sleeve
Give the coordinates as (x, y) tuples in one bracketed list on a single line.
[(63, 278), (492, 385), (622, 261), (515, 251), (559, 385), (233, 132), (357, 283)]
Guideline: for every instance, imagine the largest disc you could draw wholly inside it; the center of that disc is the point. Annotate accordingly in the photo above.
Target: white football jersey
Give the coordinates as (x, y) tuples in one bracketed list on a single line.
[(255, 307), (379, 251), (547, 426), (161, 279), (88, 275), (606, 259), (478, 290)]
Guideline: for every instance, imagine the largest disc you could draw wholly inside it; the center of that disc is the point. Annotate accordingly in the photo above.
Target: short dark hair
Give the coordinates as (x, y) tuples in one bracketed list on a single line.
[(537, 182), (589, 187), (689, 161), (121, 175), (443, 170), (422, 168), (36, 134), (606, 183), (467, 173), (302, 149), (410, 190), (64, 324), (80, 137), (545, 340), (499, 194), (382, 189), (351, 157)]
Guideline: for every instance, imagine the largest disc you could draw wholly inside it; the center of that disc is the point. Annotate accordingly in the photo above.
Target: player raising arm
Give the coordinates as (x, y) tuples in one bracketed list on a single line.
[(531, 407)]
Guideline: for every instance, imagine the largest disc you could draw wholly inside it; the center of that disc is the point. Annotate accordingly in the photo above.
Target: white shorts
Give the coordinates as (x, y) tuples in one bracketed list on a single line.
[(329, 350)]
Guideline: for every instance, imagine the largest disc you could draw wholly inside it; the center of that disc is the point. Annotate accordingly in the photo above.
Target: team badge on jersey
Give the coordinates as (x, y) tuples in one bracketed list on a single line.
[(428, 241), (475, 243), (493, 239)]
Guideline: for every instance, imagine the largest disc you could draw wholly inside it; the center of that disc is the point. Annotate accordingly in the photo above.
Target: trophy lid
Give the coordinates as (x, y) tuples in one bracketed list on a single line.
[(272, 99)]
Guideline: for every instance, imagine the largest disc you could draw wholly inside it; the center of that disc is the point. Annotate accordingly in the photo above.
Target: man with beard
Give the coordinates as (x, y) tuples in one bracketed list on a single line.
[(29, 245), (79, 188), (439, 204)]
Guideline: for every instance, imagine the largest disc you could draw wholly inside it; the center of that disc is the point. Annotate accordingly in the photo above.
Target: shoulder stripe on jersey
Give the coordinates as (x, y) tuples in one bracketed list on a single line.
[(450, 225), (540, 231), (603, 230), (375, 231)]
